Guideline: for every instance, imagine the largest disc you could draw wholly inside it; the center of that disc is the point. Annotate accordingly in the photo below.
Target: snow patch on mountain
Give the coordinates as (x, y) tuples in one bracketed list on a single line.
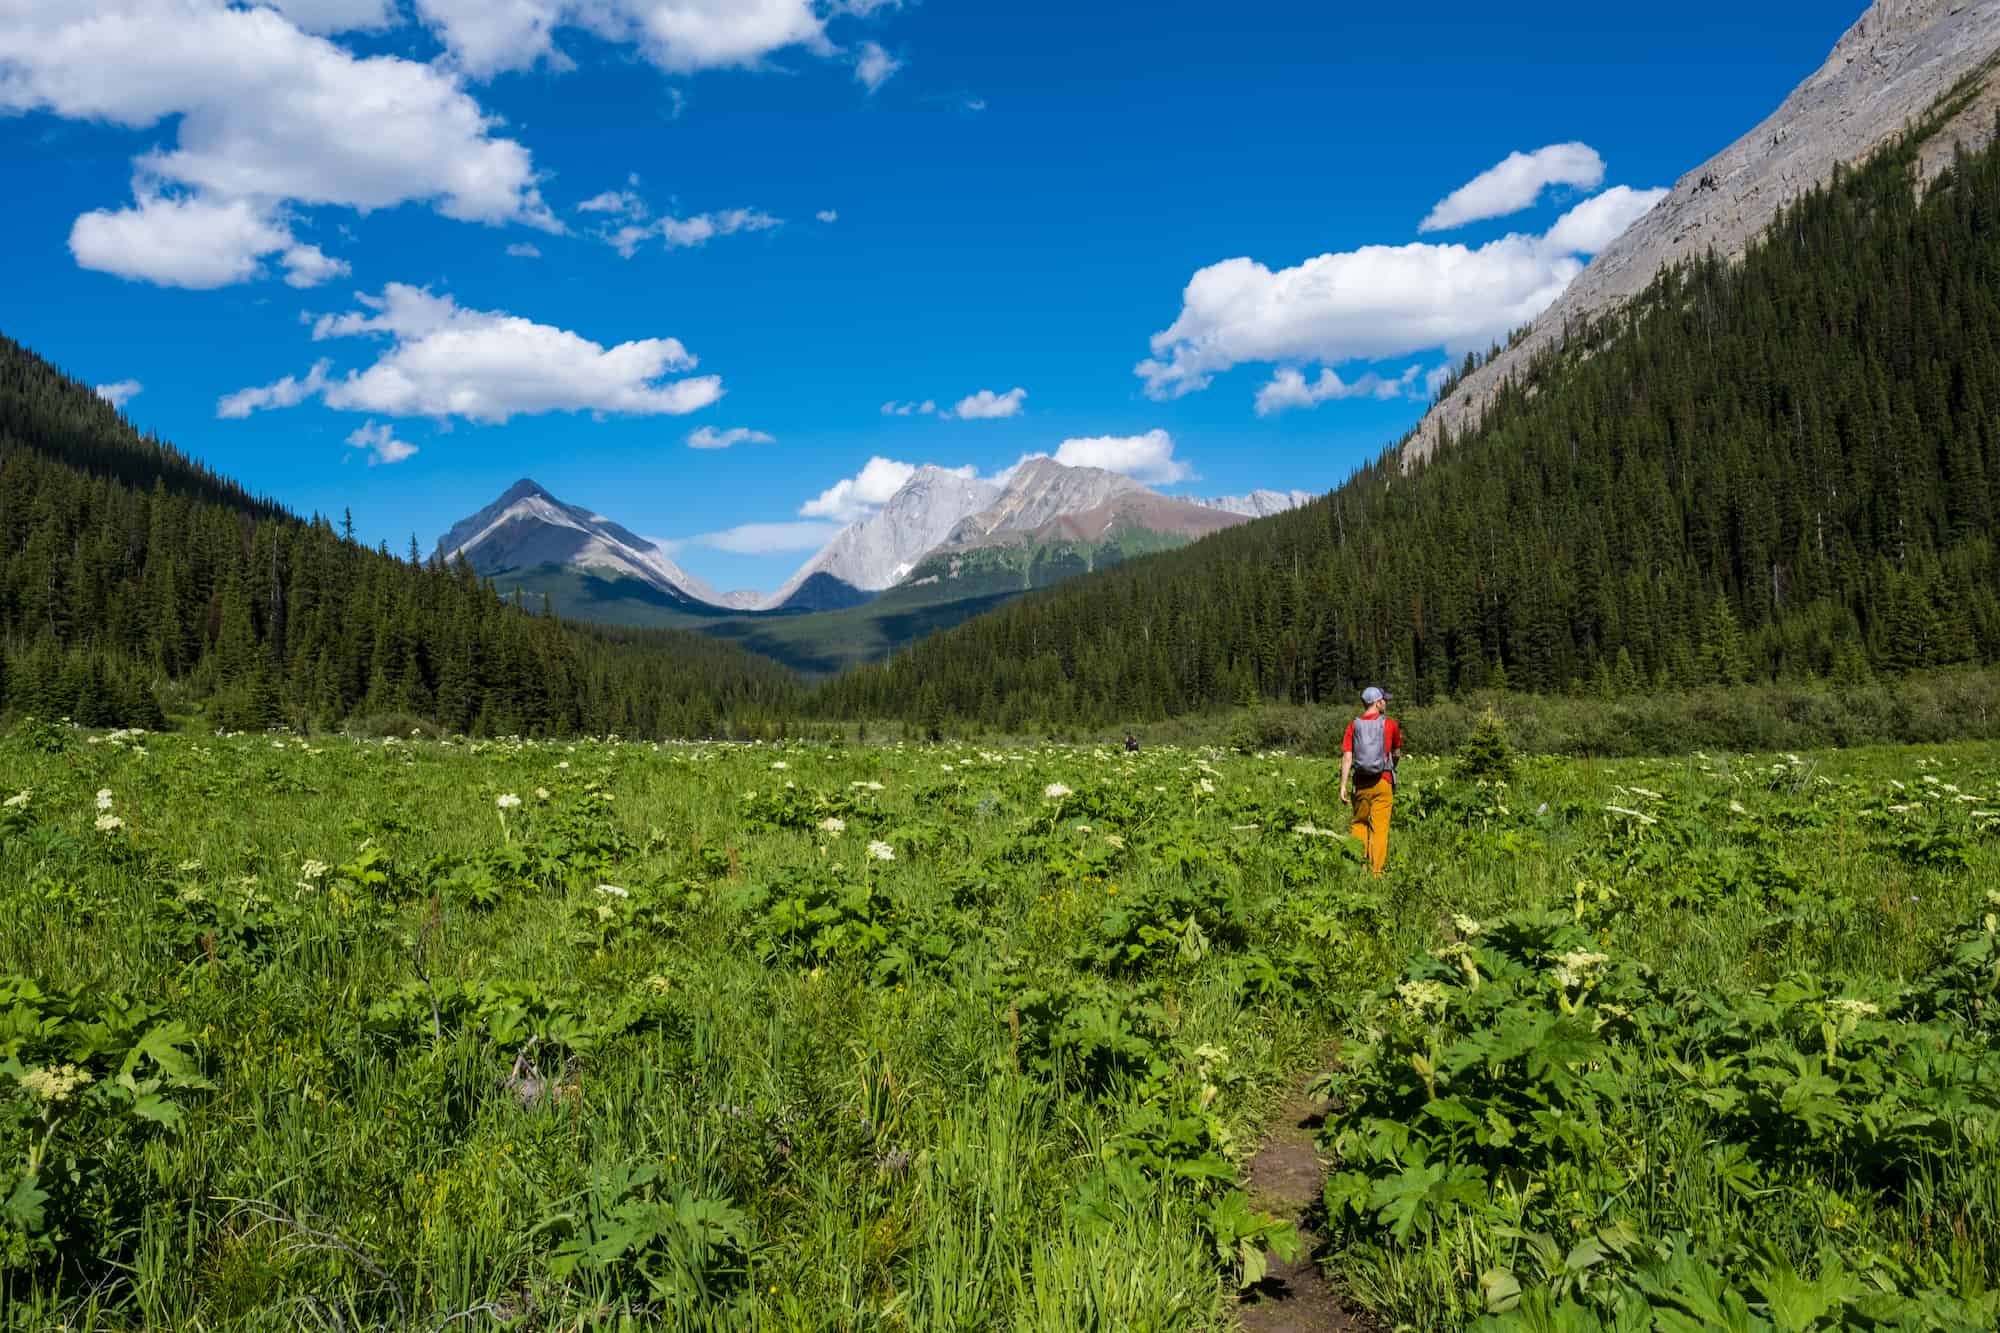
[(1257, 504), (873, 553)]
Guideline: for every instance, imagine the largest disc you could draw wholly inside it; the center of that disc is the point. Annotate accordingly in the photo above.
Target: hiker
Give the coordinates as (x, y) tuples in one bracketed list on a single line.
[(1131, 743), (1369, 754)]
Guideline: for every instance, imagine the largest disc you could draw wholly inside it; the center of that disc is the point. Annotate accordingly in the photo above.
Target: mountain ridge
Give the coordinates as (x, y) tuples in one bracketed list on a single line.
[(1882, 76)]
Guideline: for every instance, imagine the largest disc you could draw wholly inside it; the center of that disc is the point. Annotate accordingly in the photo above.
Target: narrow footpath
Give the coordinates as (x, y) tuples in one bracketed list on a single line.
[(1284, 1177)]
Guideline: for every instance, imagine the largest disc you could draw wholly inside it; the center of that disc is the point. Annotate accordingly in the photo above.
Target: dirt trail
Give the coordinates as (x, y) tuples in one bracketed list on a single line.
[(1284, 1177)]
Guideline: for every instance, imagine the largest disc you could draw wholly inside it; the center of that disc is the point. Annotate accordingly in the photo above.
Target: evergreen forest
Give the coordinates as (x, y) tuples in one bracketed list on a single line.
[(132, 578), (1778, 468)]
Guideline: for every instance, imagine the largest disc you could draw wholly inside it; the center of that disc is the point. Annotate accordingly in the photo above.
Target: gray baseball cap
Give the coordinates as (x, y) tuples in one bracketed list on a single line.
[(1374, 694)]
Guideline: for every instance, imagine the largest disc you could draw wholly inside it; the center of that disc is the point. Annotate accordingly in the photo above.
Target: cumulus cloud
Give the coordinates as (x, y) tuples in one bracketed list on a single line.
[(1600, 220), (762, 538), (287, 392), (119, 394), (1377, 302), (708, 437), (523, 250), (330, 16), (486, 37), (861, 494), (1289, 388), (264, 118), (893, 408), (1148, 458), (619, 203), (485, 365), (827, 215), (686, 233), (381, 443), (307, 266), (987, 405), (1515, 183), (875, 66)]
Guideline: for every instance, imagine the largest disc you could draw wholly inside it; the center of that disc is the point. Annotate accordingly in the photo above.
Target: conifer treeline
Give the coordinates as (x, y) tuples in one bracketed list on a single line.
[(125, 568), (1770, 469)]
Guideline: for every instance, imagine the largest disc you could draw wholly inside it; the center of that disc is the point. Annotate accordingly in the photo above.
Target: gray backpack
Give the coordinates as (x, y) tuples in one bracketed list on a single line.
[(1371, 748)]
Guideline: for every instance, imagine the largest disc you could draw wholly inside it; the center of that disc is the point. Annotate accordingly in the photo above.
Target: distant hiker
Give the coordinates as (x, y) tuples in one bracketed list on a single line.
[(1131, 743), (1373, 745)]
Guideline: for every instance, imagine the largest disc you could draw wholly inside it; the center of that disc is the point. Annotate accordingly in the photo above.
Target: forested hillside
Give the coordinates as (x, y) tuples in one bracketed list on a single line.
[(126, 571), (1766, 470)]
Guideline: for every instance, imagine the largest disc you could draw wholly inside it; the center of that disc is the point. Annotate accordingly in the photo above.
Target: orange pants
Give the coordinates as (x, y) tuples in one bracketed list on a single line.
[(1372, 805)]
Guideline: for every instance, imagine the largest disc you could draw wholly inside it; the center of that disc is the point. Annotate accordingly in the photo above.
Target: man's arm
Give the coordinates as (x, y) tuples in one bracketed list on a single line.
[(1346, 770)]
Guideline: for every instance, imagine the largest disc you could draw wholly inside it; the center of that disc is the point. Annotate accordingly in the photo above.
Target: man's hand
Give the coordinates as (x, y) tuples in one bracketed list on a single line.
[(1345, 799)]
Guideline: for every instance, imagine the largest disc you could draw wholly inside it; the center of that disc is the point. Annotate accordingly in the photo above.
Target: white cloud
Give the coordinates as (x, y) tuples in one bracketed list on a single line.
[(263, 117), (486, 37), (1367, 304), (1377, 302), (827, 215), (185, 242), (330, 16), (862, 494), (121, 393), (1598, 221), (523, 250), (987, 405), (1289, 388), (487, 366), (287, 392), (381, 443), (1148, 458), (686, 233), (618, 203), (708, 437), (1515, 183), (1434, 380), (875, 66), (763, 538), (307, 266), (896, 409)]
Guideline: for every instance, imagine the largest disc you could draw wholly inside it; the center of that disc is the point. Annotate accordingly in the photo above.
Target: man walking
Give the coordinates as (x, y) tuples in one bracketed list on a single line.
[(1369, 754)]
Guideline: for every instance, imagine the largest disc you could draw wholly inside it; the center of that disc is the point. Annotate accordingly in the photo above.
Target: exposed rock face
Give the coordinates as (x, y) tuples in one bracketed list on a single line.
[(876, 552), (1041, 489), (1888, 69), (1257, 504), (527, 528)]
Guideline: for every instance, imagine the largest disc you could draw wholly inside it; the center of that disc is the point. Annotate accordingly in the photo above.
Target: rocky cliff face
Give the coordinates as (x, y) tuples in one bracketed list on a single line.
[(1041, 489), (527, 528), (1257, 504), (876, 552), (1887, 71)]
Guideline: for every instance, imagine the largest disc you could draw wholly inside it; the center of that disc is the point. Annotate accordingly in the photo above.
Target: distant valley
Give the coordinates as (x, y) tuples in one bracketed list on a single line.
[(945, 547)]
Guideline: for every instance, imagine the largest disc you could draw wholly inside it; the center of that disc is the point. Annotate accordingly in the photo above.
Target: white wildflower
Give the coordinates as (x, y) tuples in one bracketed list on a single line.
[(54, 1084), (605, 911), (1649, 795), (187, 868), (1207, 786), (613, 891), (1423, 996), (1466, 926), (779, 764), (314, 869), (104, 798), (1897, 785), (833, 825), (1855, 1009), (17, 800), (1055, 791), (541, 793), (563, 764), (1578, 967), (1736, 808), (508, 801), (1642, 817), (109, 823), (1116, 842), (881, 851)]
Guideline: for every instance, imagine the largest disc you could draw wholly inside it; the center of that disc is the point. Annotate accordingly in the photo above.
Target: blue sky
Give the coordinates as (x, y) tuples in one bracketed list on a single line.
[(211, 199)]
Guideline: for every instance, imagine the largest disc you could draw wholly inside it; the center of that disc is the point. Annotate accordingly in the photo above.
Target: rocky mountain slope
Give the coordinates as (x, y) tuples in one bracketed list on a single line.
[(877, 552), (527, 528), (1884, 73), (1258, 503)]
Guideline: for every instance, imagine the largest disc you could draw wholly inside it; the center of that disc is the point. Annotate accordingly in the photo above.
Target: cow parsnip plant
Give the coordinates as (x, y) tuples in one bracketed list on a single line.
[(317, 1031)]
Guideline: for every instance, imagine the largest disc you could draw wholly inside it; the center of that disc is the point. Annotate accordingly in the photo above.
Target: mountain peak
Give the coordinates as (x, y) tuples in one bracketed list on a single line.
[(524, 489)]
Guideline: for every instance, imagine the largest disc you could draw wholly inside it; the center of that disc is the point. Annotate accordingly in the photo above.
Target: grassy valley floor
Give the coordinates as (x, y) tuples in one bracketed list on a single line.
[(321, 1032)]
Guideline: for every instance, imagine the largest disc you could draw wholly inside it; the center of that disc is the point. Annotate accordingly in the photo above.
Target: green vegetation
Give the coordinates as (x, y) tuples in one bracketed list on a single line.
[(949, 1037), (132, 580), (1772, 470)]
